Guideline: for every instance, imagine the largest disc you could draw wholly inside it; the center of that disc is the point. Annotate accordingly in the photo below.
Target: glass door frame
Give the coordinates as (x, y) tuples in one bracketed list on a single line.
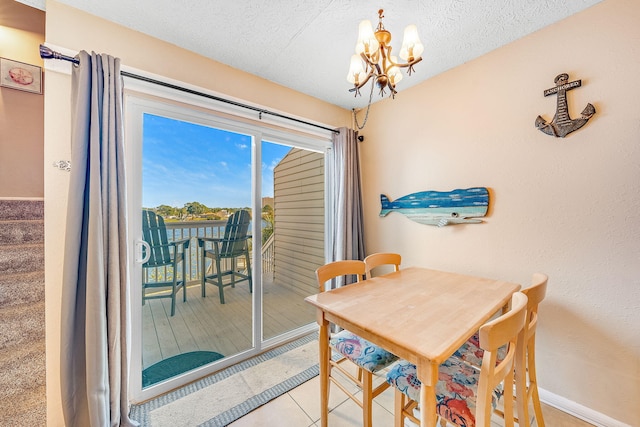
[(143, 98)]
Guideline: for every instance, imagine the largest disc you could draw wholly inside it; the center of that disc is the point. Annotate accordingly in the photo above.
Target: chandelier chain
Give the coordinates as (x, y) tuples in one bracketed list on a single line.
[(366, 116)]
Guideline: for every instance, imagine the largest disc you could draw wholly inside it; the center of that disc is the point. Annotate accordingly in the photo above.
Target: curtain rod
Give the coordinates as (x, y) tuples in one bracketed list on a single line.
[(48, 53)]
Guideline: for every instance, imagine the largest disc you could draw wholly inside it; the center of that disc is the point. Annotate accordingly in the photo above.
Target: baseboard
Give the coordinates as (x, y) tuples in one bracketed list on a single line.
[(587, 414), (23, 198)]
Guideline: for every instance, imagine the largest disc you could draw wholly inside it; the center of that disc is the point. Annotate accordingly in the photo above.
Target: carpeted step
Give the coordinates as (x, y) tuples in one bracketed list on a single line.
[(22, 385), (21, 289), (17, 232), (23, 366), (21, 259), (22, 327), (22, 310), (21, 209)]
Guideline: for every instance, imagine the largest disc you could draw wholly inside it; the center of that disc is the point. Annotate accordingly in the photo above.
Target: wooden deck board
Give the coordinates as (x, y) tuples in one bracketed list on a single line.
[(205, 324)]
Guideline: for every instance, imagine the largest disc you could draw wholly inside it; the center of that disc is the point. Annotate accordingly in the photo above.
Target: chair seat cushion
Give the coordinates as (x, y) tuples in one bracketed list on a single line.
[(456, 391), (361, 352), (471, 352)]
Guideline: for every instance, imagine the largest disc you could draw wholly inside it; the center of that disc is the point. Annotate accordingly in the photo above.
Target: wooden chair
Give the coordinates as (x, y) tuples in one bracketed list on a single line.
[(525, 377), (234, 244), (368, 357), (381, 258), (526, 381), (465, 395), (162, 255)]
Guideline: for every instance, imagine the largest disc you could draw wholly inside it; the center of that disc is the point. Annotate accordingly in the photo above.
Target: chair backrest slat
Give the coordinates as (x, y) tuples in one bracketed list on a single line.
[(154, 232), (382, 258), (500, 331), (535, 293), (339, 268), (235, 233)]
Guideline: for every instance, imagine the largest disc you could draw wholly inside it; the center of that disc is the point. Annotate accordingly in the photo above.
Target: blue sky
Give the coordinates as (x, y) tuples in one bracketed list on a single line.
[(185, 162)]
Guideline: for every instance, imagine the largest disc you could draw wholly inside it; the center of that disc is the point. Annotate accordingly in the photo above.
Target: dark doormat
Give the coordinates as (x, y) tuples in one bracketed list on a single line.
[(177, 365)]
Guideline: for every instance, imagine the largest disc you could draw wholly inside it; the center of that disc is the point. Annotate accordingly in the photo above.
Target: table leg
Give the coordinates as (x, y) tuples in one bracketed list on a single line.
[(428, 376), (325, 354)]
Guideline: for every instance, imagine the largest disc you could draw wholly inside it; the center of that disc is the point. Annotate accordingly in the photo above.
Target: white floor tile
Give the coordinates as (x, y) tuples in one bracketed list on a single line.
[(281, 412)]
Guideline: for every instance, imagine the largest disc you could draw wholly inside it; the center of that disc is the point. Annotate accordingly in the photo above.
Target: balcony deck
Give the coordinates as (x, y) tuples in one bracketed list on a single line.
[(205, 324)]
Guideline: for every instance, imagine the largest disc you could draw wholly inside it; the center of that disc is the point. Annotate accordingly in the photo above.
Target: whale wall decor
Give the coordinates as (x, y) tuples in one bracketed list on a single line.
[(440, 208)]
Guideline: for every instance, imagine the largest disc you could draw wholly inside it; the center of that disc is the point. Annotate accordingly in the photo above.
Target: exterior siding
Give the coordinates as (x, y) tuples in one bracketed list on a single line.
[(299, 220)]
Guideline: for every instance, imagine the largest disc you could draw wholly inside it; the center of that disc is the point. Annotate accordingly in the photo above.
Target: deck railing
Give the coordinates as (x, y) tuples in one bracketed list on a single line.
[(192, 230), (268, 256)]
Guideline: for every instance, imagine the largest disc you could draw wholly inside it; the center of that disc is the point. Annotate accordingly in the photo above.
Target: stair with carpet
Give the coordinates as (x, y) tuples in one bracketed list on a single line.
[(22, 313)]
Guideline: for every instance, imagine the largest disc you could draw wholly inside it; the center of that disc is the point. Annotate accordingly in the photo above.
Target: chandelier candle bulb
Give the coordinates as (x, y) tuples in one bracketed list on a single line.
[(411, 45), (367, 42), (394, 72), (356, 70)]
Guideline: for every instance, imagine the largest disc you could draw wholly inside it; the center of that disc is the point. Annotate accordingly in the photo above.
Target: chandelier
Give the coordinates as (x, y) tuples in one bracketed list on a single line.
[(373, 57)]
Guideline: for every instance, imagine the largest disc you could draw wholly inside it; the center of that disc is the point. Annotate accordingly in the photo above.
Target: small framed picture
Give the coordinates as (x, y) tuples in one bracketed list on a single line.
[(21, 76)]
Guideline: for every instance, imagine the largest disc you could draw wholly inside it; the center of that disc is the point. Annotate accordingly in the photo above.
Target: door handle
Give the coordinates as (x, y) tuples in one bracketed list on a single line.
[(142, 246)]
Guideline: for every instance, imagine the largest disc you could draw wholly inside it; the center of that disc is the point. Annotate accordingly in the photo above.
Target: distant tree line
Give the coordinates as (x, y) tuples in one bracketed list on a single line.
[(195, 211)]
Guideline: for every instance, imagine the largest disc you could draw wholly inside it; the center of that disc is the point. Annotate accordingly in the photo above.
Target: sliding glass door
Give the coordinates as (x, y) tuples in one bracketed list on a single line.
[(294, 240), (228, 226), (196, 178)]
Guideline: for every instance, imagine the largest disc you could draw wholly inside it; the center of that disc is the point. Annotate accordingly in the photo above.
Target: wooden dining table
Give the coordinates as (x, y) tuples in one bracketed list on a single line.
[(419, 314)]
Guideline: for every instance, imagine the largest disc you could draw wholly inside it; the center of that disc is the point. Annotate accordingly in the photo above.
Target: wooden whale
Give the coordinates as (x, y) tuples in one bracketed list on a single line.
[(462, 206)]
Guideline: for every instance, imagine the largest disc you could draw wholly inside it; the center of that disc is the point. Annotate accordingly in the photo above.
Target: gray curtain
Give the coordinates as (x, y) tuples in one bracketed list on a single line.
[(348, 238), (95, 310)]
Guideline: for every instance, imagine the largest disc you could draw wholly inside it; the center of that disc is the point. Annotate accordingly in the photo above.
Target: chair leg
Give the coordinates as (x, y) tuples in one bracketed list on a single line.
[(173, 295), (203, 275), (367, 397), (248, 264), (398, 408), (536, 405), (219, 276), (522, 400), (184, 279), (508, 402), (233, 272), (533, 384)]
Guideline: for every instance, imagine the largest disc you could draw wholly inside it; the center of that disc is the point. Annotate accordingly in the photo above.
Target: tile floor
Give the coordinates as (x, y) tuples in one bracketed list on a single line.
[(301, 408)]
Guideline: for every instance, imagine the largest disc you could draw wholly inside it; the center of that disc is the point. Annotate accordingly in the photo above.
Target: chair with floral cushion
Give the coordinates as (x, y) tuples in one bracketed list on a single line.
[(379, 259), (368, 357), (465, 395), (525, 375)]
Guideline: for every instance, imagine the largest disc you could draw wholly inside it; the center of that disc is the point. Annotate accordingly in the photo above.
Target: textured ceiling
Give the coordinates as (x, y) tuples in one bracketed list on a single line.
[(307, 45)]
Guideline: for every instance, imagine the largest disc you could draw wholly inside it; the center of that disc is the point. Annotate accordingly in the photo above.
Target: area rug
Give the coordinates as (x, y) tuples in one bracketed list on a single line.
[(176, 365), (221, 398)]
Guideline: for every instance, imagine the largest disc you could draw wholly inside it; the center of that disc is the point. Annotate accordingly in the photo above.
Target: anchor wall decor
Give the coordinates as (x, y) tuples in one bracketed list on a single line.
[(562, 124)]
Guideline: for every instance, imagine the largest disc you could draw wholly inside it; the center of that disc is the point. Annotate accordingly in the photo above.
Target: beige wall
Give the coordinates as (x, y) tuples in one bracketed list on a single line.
[(72, 29), (21, 113), (566, 207)]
